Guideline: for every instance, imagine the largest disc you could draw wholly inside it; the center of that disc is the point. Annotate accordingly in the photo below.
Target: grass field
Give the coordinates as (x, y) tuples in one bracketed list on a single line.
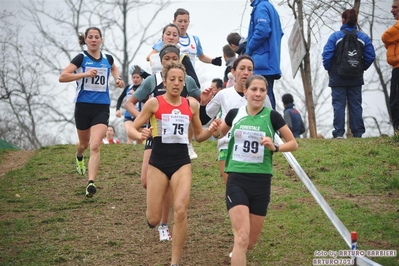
[(45, 218)]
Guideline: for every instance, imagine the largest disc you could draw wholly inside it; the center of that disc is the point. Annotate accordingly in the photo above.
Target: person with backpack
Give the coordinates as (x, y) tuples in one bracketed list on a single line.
[(346, 55)]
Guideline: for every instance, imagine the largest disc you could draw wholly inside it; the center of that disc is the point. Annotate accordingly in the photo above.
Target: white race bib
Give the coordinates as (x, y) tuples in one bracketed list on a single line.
[(247, 147), (175, 128), (99, 82)]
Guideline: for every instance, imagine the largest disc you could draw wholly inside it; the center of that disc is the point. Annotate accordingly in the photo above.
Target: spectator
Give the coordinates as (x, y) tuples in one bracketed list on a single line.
[(229, 57), (237, 43), (390, 38), (110, 136), (216, 85), (292, 117), (264, 43), (347, 90)]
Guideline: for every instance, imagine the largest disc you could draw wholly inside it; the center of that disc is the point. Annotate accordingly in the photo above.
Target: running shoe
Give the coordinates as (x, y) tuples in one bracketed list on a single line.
[(191, 152), (80, 166), (164, 234), (90, 190)]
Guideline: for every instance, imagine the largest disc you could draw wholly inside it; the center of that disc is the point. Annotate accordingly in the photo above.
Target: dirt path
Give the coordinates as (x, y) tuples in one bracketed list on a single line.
[(14, 160)]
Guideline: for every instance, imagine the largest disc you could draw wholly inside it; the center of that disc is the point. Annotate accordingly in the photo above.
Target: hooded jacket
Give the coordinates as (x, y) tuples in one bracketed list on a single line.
[(390, 38), (264, 39)]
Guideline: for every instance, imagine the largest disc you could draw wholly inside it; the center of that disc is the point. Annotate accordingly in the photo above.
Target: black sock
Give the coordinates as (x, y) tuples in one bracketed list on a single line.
[(91, 181), (150, 225), (79, 158)]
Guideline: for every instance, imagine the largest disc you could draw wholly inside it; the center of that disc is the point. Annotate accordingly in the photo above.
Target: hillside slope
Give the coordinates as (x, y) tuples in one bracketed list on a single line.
[(45, 218)]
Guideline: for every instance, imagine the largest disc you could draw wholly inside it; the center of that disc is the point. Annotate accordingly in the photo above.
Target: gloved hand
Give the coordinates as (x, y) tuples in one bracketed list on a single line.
[(217, 61)]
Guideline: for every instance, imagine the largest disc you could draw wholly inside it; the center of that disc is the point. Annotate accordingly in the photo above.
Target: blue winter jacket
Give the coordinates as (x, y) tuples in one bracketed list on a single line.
[(328, 57), (264, 39), (294, 120)]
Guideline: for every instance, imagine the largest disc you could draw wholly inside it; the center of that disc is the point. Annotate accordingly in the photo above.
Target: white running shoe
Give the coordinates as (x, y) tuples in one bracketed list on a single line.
[(164, 234), (191, 152), (231, 254)]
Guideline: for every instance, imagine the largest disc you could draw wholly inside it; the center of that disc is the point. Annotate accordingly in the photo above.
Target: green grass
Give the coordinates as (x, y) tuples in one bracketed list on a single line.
[(46, 220)]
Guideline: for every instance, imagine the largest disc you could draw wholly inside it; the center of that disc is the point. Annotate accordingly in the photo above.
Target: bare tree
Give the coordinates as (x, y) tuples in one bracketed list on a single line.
[(27, 109), (321, 15), (125, 24)]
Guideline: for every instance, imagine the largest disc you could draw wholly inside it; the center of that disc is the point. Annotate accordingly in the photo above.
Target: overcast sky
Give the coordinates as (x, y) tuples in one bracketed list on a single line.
[(213, 20)]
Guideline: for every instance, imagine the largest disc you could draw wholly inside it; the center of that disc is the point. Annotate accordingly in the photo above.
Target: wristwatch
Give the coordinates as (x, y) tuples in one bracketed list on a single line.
[(277, 147)]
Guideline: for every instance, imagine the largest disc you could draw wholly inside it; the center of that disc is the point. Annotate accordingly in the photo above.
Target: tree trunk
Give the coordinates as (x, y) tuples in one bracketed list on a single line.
[(307, 78)]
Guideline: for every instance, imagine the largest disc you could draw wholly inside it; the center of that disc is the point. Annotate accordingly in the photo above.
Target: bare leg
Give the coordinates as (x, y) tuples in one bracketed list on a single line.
[(167, 204), (157, 185), (144, 167), (239, 216), (256, 225), (127, 124), (181, 185), (247, 228), (97, 133), (83, 143), (221, 170)]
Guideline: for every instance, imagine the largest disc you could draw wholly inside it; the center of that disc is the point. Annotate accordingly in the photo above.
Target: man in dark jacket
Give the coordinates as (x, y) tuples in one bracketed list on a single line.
[(292, 117)]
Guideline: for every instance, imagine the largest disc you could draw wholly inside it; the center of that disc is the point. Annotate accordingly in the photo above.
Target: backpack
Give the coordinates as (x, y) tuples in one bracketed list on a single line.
[(349, 55)]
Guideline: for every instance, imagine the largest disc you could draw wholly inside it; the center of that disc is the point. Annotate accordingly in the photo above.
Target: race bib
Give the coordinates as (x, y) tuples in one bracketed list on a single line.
[(247, 147), (175, 128), (99, 82)]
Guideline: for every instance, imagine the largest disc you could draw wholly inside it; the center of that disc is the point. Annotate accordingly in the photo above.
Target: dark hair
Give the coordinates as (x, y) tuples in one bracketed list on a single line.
[(137, 70), (233, 38), (82, 36), (181, 11), (219, 82), (167, 48), (172, 65), (287, 98), (254, 77), (170, 25), (240, 58), (350, 17), (228, 51)]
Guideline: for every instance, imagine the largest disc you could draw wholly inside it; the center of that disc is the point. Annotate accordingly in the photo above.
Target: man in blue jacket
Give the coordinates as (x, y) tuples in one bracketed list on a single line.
[(264, 43), (291, 116), (344, 89)]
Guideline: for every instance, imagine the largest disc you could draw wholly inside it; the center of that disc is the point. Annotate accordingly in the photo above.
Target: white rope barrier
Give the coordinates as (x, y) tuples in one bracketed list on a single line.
[(346, 235)]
